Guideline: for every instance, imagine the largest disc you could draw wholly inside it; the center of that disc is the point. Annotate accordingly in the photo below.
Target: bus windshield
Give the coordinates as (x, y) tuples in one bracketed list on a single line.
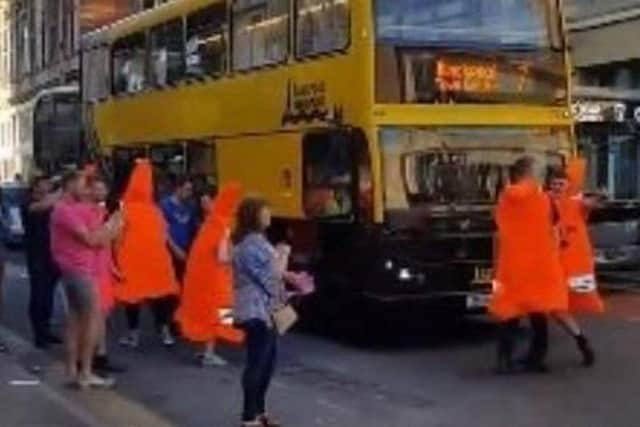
[(495, 24), (461, 165)]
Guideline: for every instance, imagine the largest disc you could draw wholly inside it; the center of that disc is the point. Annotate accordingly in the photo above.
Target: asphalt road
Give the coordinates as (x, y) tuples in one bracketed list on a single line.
[(441, 379)]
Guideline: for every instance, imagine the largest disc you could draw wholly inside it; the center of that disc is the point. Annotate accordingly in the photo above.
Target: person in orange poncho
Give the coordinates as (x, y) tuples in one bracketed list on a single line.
[(576, 254), (142, 254), (207, 296), (529, 279)]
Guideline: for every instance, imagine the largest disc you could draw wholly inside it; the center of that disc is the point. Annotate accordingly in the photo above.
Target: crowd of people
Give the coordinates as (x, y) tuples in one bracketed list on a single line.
[(203, 265), (175, 253)]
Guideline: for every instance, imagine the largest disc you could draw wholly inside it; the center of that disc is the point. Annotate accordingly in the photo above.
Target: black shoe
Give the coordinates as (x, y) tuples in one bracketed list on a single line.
[(42, 343), (531, 366), (102, 364), (505, 364), (54, 339), (3, 348), (588, 354)]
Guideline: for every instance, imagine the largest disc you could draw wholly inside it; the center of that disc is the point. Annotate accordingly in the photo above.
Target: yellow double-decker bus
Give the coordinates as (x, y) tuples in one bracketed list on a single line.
[(380, 131)]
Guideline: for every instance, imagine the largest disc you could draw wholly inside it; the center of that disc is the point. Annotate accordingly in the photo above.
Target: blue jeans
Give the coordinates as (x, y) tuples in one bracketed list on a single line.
[(261, 345)]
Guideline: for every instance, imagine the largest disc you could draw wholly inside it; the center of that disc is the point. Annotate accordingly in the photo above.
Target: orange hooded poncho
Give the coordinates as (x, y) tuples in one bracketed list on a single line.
[(208, 289), (142, 254), (529, 277), (576, 254)]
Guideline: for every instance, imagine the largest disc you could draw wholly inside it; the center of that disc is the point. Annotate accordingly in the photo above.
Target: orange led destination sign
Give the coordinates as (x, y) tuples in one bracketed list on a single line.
[(466, 76)]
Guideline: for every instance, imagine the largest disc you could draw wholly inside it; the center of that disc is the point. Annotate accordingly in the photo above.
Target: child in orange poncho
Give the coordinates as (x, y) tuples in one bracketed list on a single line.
[(207, 294), (529, 278), (142, 255), (576, 253)]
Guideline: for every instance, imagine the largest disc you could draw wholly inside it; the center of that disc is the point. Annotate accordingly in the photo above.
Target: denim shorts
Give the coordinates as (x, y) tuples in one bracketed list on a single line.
[(80, 293)]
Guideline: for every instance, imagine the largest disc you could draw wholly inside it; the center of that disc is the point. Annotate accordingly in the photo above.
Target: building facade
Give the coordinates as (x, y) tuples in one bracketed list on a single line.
[(42, 39), (606, 58)]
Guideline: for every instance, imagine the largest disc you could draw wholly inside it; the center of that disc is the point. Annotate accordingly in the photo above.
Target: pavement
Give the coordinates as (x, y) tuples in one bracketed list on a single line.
[(441, 379)]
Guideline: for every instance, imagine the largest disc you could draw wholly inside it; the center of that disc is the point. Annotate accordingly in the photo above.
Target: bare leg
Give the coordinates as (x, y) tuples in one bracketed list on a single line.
[(568, 323), (91, 323), (73, 345), (210, 348), (101, 349), (572, 327)]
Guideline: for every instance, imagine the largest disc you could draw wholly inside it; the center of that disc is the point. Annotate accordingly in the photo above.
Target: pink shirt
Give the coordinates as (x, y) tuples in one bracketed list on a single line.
[(103, 261), (72, 255)]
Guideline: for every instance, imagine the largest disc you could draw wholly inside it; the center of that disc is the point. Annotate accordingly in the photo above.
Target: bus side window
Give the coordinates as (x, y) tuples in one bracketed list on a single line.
[(328, 175), (167, 53), (207, 41), (128, 59), (322, 26), (260, 33)]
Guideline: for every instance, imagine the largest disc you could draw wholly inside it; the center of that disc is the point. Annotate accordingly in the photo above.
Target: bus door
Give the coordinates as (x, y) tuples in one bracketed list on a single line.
[(332, 173), (201, 165)]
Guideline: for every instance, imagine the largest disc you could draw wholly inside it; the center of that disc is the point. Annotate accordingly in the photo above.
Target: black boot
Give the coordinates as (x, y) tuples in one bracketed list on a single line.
[(588, 355), (505, 364)]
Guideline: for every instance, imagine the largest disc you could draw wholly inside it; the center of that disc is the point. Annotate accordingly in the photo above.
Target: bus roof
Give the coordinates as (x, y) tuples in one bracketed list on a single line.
[(143, 20)]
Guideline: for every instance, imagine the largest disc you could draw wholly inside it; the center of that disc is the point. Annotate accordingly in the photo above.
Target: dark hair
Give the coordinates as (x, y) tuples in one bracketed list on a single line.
[(558, 173), (180, 181), (247, 218), (70, 177), (521, 168)]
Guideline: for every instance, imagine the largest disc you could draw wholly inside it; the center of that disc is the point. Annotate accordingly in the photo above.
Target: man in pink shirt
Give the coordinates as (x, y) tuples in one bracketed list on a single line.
[(73, 244)]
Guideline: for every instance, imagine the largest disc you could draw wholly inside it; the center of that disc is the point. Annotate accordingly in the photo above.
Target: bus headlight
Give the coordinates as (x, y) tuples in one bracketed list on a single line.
[(405, 275), (388, 265)]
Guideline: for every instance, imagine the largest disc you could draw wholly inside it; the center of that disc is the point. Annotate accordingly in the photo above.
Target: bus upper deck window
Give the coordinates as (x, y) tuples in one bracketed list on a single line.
[(322, 26), (167, 53), (260, 33), (129, 57), (207, 41)]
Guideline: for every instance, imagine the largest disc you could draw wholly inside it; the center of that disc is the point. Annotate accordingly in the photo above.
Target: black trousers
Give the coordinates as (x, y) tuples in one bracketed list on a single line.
[(539, 339), (163, 309), (260, 365), (539, 345), (42, 284), (160, 308)]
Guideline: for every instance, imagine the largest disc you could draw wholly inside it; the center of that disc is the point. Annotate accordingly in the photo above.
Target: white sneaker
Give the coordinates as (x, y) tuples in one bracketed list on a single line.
[(94, 381), (167, 338), (131, 340), (212, 359)]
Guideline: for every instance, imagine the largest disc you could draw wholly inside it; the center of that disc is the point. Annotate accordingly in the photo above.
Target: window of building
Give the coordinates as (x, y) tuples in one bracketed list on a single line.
[(53, 42), (206, 47), (129, 63), (260, 33), (167, 53), (322, 26)]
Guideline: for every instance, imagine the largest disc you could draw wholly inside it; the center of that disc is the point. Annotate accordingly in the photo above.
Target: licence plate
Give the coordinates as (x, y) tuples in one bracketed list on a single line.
[(478, 301)]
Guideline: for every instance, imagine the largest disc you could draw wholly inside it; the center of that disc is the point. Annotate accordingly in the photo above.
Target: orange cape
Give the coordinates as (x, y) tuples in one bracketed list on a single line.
[(208, 285), (142, 254), (577, 256), (529, 277)]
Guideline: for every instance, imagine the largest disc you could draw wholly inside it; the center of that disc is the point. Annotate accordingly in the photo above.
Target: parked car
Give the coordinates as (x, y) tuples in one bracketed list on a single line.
[(615, 232), (12, 197)]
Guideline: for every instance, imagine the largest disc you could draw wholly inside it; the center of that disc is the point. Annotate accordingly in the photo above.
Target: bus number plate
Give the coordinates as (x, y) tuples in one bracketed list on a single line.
[(478, 301)]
